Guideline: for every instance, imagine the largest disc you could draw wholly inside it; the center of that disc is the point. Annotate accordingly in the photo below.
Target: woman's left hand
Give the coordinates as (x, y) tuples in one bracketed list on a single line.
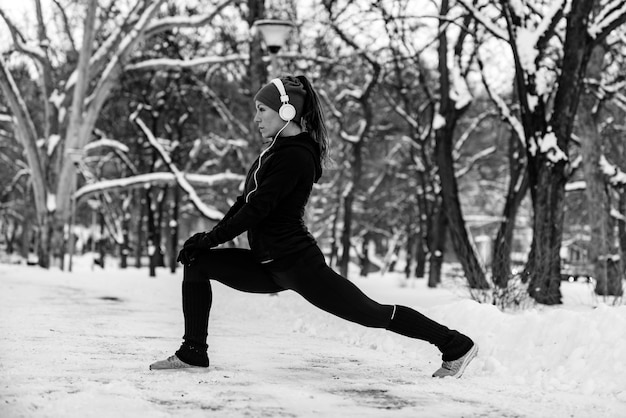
[(194, 246)]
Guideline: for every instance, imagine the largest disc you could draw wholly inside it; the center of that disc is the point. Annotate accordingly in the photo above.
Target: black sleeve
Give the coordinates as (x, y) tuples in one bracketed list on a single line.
[(280, 178)]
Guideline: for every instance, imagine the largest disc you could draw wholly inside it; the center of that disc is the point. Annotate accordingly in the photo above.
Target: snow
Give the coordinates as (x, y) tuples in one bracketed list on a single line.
[(460, 91), (526, 43), (438, 121), (616, 176), (79, 345), (53, 141), (51, 202), (549, 146), (575, 186), (532, 101), (517, 7)]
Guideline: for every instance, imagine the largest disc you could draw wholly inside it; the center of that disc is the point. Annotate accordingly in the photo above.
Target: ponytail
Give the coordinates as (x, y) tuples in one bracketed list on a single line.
[(313, 119)]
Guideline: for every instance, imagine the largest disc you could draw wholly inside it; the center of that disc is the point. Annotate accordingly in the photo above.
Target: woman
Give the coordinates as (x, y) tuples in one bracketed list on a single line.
[(283, 254)]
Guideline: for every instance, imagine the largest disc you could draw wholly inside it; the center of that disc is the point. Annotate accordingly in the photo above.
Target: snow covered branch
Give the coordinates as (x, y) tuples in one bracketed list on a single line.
[(611, 16), (21, 45), (466, 134), (101, 56), (106, 143), (174, 64), (206, 211), (576, 186), (154, 179), (358, 136), (473, 159), (503, 108), (616, 177)]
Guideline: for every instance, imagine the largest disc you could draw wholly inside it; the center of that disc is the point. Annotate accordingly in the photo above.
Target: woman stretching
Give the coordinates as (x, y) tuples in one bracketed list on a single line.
[(283, 254)]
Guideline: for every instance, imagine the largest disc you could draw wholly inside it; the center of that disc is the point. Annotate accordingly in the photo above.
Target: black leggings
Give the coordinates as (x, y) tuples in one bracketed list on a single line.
[(307, 274)]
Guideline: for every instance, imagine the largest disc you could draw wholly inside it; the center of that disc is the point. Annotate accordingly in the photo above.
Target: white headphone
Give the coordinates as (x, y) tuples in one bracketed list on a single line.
[(286, 112)]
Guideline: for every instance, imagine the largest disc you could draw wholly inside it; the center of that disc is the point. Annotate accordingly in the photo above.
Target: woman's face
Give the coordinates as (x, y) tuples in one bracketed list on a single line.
[(268, 120)]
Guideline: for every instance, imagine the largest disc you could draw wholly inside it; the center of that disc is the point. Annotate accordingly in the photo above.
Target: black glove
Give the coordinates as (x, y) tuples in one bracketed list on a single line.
[(194, 246)]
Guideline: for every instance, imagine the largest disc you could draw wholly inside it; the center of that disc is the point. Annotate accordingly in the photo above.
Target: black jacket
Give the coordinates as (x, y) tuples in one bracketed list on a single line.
[(273, 213)]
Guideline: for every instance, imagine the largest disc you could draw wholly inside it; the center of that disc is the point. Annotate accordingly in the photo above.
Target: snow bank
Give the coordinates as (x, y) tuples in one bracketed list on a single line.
[(578, 347), (79, 344)]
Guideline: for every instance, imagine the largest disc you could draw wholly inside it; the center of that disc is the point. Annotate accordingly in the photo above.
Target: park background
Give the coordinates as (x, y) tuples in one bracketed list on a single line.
[(477, 147)]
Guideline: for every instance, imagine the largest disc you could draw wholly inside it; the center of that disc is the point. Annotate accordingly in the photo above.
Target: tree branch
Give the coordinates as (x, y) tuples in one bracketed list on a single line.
[(172, 22), (66, 25), (206, 211), (610, 17), (491, 27), (20, 43)]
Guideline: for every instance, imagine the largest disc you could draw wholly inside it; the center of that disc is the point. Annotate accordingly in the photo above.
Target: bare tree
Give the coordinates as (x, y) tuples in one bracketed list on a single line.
[(548, 111), (355, 136), (72, 105), (450, 109)]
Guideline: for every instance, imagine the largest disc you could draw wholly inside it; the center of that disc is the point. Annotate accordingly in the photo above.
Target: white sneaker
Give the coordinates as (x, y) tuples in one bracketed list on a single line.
[(172, 362), (455, 368)]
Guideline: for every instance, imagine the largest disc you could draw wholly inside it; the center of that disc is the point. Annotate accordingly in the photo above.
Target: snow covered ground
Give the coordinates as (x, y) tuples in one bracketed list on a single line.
[(79, 345)]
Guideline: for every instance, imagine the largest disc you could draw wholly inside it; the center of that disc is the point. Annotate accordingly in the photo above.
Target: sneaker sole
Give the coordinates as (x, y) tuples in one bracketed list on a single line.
[(468, 358)]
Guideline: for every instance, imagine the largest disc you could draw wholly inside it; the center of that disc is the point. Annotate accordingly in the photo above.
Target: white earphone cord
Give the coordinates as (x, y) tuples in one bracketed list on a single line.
[(256, 182)]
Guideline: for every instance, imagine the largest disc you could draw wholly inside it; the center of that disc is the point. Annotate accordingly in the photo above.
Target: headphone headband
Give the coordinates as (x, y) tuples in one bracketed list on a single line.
[(281, 90), (287, 112)]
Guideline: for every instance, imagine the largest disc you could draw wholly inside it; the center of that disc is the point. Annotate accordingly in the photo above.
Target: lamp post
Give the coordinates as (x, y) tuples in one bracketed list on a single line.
[(274, 33), (76, 155)]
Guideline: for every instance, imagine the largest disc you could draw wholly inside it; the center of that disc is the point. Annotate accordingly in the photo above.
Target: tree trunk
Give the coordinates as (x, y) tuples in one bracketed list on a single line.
[(26, 133), (124, 248), (548, 177), (602, 250), (152, 234), (25, 238), (102, 240), (444, 135), (346, 232), (73, 140), (174, 228), (420, 257), (334, 248), (410, 248), (365, 260), (544, 262), (518, 186), (437, 247), (474, 271), (348, 202), (141, 221), (621, 230)]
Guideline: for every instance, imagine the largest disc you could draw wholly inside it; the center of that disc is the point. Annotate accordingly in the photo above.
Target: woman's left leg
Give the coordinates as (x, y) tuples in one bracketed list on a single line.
[(311, 277)]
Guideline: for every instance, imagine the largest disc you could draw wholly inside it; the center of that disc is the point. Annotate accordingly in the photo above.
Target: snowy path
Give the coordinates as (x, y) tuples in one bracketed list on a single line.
[(79, 345)]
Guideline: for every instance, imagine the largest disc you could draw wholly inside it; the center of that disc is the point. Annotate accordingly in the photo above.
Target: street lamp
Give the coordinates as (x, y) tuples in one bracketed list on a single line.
[(76, 155), (274, 33)]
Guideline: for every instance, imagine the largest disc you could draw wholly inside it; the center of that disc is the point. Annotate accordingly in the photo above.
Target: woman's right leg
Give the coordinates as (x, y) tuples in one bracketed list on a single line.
[(234, 267)]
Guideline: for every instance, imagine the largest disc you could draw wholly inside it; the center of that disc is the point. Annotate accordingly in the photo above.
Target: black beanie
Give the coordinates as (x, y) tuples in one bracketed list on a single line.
[(270, 96)]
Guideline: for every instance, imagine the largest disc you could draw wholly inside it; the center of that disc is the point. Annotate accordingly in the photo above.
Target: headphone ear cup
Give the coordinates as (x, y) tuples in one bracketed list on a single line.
[(287, 112)]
